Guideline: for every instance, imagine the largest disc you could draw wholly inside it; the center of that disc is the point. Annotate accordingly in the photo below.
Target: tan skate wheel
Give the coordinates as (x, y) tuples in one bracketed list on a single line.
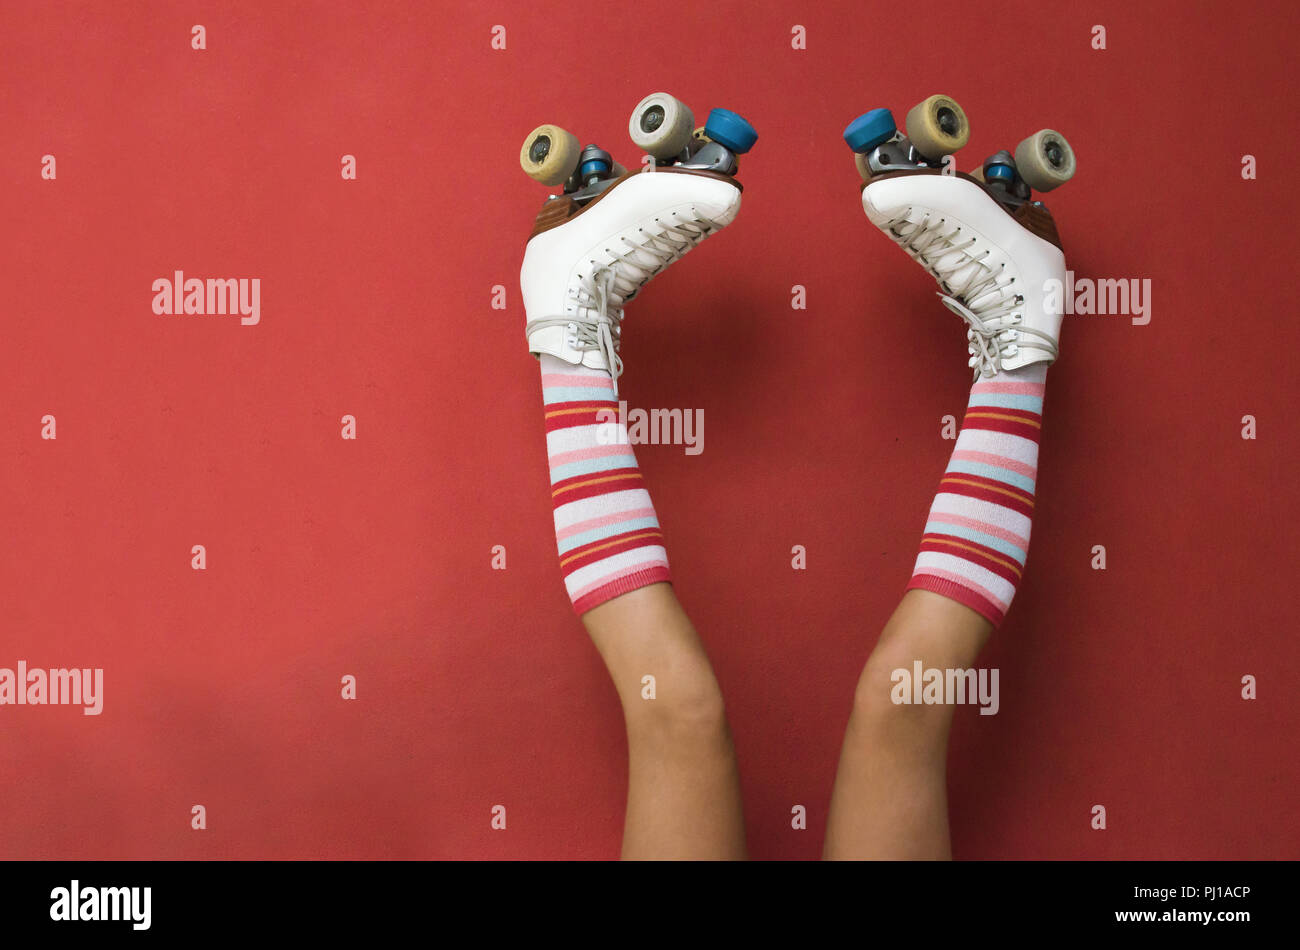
[(698, 140), (937, 127), (860, 160), (661, 125), (1045, 160), (550, 154), (978, 173)]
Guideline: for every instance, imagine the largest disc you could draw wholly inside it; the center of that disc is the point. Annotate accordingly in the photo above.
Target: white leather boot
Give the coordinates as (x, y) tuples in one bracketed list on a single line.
[(993, 265), (992, 248), (582, 265), (596, 245)]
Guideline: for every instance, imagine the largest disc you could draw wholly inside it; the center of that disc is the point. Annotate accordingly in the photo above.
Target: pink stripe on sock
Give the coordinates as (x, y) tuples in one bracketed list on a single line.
[(600, 380), (965, 582), (594, 452), (615, 518), (610, 578), (1001, 461), (1018, 389), (990, 529)]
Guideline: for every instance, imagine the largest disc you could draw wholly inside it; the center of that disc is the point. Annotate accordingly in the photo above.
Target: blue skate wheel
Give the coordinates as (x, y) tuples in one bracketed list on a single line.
[(869, 130), (730, 130), (999, 173)]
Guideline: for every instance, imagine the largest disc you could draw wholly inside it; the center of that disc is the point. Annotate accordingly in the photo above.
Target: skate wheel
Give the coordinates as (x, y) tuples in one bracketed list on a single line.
[(998, 171), (698, 140), (1045, 160), (550, 154), (869, 130), (937, 127), (618, 171), (978, 174), (661, 125), (860, 159), (730, 130)]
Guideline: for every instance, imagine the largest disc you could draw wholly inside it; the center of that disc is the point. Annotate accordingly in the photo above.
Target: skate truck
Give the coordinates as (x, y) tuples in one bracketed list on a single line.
[(937, 128), (661, 126)]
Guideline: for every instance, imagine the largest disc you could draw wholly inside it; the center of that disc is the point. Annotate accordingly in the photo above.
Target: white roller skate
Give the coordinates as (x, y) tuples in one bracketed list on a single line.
[(993, 249), (595, 246)]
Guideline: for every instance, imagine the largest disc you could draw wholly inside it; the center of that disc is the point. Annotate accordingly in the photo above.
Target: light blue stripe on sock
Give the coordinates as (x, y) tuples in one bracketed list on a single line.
[(554, 394), (606, 531), (1008, 401), (1023, 482), (604, 463), (979, 537)]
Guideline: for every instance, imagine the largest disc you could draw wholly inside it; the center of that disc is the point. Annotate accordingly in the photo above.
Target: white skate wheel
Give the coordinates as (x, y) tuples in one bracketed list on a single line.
[(1045, 160), (937, 127), (661, 125), (550, 154), (864, 170)]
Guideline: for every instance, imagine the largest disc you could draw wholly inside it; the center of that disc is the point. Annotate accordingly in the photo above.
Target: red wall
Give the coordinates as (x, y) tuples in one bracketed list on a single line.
[(372, 557)]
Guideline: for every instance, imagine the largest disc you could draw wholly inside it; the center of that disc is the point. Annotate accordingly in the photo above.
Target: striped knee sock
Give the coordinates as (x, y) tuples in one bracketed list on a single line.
[(605, 525), (977, 536)]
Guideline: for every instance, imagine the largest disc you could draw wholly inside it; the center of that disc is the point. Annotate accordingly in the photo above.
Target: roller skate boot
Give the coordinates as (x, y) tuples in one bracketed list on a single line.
[(993, 248), (598, 242)]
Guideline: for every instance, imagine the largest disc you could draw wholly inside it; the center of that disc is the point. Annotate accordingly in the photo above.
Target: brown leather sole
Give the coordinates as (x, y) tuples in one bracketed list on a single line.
[(557, 211)]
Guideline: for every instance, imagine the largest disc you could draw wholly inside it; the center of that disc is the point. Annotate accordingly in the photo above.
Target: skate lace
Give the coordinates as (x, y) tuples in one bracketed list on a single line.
[(972, 289), (599, 296)]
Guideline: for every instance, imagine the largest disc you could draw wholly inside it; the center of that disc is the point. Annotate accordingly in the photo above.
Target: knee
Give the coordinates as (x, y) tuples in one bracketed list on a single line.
[(880, 699), (686, 709)]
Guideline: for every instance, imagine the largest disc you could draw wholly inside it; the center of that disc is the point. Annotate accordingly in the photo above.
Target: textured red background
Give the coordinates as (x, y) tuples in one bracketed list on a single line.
[(372, 557)]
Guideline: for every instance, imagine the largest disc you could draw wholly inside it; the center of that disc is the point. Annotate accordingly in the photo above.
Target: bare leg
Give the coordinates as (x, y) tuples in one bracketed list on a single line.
[(580, 267), (890, 798), (683, 789), (991, 265), (683, 796)]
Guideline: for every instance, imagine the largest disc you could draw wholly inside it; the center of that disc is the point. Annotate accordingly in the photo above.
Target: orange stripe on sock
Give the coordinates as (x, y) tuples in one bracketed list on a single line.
[(1005, 491), (931, 539), (569, 412), (1004, 418), (595, 481), (584, 552)]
